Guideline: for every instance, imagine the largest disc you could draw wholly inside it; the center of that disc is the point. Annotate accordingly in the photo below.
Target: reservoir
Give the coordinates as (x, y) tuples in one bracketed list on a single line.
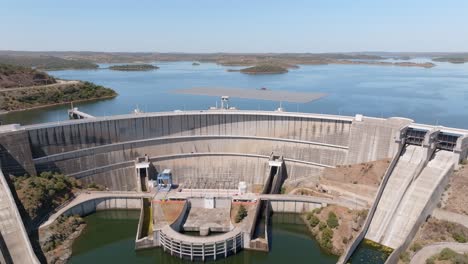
[(110, 235), (432, 96)]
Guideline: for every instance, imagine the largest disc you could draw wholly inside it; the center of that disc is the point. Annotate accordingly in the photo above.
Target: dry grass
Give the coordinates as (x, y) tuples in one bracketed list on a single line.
[(172, 210), (366, 173), (457, 198)]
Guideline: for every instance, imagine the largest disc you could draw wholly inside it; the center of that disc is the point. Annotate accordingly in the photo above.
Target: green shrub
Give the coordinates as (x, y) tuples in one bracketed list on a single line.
[(241, 214), (404, 257), (326, 239), (317, 210), (430, 260), (314, 221), (459, 237), (416, 247), (283, 190), (322, 225), (447, 254), (461, 259), (332, 220)]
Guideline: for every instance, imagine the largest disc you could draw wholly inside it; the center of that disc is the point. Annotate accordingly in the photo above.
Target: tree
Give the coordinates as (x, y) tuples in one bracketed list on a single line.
[(241, 213), (314, 221), (332, 220)]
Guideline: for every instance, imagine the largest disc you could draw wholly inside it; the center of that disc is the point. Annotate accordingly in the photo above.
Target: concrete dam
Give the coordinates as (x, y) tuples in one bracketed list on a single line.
[(217, 149)]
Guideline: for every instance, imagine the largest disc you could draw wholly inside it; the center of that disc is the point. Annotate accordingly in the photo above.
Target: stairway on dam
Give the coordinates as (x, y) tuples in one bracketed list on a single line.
[(408, 195)]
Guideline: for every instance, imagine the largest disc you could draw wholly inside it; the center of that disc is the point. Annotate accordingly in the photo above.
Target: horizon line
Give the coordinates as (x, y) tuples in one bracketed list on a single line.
[(238, 53)]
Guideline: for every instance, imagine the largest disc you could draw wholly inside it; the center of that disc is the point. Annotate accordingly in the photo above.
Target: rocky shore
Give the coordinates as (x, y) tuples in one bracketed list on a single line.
[(56, 240)]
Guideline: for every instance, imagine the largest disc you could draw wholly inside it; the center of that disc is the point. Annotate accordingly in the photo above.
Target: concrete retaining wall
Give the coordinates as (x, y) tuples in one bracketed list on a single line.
[(104, 204), (122, 179), (142, 242), (293, 206), (186, 247), (177, 224)]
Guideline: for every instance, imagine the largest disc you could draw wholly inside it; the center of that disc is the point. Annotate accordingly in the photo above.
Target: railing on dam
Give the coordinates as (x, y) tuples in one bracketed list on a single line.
[(210, 250)]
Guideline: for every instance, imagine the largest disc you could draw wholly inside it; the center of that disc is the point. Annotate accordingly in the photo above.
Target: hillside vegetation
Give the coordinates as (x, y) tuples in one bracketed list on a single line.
[(134, 67), (20, 99), (44, 62), (40, 194), (18, 76), (265, 69)]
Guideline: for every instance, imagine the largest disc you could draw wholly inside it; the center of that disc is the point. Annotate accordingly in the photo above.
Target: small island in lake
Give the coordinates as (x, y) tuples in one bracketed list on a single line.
[(134, 67), (264, 69), (195, 64), (454, 60)]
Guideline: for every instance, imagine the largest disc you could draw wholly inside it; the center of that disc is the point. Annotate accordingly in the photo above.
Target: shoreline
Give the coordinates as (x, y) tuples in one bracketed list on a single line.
[(316, 237), (62, 253), (4, 112)]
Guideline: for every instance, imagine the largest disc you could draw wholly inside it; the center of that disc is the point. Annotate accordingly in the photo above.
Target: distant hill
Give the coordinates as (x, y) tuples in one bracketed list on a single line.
[(25, 88), (87, 59), (456, 60), (45, 62), (134, 67), (18, 76)]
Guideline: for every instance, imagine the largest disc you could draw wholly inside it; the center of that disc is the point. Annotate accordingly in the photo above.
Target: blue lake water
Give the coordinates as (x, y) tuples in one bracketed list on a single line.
[(434, 96)]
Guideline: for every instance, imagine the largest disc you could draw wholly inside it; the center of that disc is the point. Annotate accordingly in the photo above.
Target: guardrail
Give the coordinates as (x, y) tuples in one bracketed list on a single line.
[(201, 251)]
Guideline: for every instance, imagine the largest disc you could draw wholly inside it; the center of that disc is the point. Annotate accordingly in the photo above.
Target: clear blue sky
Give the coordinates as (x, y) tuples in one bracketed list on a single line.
[(234, 26)]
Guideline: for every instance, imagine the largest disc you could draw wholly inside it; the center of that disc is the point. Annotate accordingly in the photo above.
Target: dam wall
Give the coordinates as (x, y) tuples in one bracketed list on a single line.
[(15, 153), (51, 139), (231, 146)]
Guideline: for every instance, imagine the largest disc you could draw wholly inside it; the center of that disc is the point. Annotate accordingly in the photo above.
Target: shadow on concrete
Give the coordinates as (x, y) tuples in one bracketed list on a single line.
[(33, 233), (9, 164), (5, 252)]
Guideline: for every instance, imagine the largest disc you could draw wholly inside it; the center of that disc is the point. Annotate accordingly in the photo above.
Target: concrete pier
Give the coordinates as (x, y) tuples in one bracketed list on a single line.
[(74, 113)]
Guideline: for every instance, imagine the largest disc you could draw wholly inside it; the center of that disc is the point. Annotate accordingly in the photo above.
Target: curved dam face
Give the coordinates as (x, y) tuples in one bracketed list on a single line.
[(198, 146)]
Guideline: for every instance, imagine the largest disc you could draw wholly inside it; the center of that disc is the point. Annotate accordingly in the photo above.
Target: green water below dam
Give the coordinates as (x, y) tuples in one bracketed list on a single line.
[(370, 253), (110, 235)]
